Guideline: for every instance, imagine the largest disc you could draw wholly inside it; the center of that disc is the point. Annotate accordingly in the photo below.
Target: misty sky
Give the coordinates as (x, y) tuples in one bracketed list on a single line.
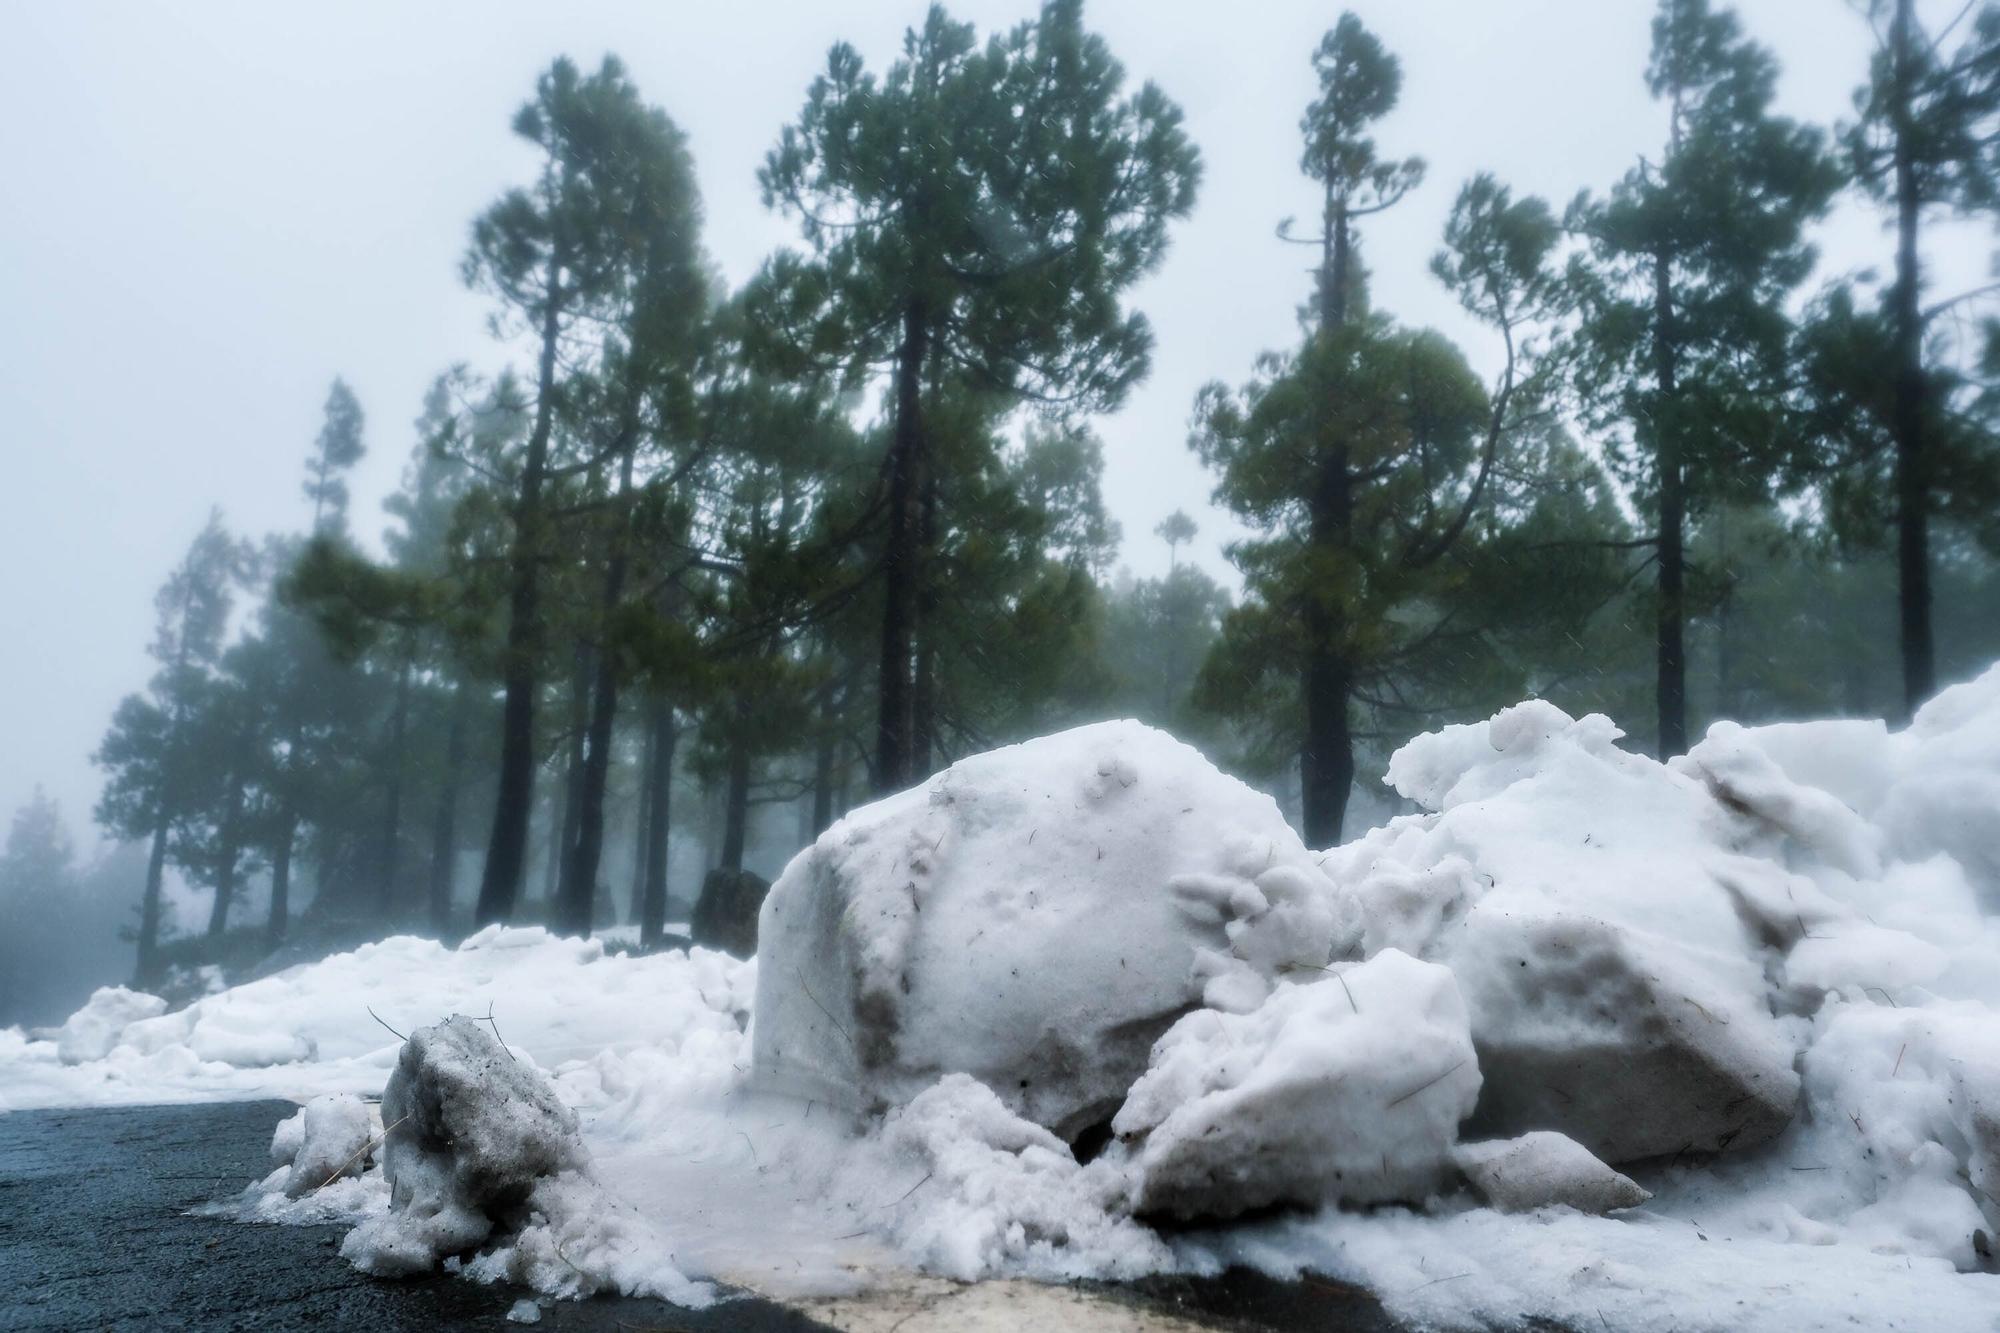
[(212, 209)]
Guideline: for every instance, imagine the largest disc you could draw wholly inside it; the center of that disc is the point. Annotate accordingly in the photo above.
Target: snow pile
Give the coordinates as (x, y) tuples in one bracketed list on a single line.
[(1593, 1040), (91, 1032), (1007, 1195), (1595, 925), (469, 1132), (1350, 1089), (1035, 917), (331, 1138), (478, 1142), (326, 1026)]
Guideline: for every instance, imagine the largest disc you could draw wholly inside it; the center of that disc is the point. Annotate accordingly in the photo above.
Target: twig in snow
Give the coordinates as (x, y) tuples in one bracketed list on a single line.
[(378, 1018), (1425, 1085), (1434, 1281), (362, 1151), (800, 974), (1899, 1059), (488, 1020), (908, 1192)]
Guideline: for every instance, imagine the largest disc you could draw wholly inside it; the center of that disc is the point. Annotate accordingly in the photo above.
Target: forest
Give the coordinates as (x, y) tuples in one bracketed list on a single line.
[(707, 568)]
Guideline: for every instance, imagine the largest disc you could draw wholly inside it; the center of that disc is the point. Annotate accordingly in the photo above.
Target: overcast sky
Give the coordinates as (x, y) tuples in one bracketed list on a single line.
[(212, 209)]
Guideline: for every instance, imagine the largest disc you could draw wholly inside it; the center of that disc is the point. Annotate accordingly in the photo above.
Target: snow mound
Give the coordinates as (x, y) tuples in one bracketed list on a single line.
[(1584, 900), (330, 1138), (1542, 1170), (1032, 917), (478, 1142), (1000, 1194), (326, 1026), (92, 1031), (468, 1131), (1348, 1089)]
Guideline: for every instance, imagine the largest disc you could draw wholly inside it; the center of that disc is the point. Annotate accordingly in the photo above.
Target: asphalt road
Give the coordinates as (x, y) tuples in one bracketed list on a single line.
[(95, 1234)]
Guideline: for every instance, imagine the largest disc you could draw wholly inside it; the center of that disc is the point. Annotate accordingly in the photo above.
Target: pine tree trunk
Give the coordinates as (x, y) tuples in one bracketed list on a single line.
[(1326, 760), (146, 973), (923, 693), (653, 910), (230, 853), (642, 805), (1912, 462), (736, 795), (507, 847), (586, 828), (280, 917), (392, 821), (587, 851), (1671, 636), (823, 755), (900, 559), (444, 824), (560, 855)]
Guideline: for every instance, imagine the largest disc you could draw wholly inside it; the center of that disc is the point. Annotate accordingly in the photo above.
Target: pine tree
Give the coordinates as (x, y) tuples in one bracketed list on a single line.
[(1684, 340), (146, 753), (335, 452), (975, 214), (559, 257), (1924, 143)]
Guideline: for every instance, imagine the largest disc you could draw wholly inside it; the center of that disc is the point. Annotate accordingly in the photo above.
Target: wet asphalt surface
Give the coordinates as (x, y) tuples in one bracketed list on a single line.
[(95, 1234)]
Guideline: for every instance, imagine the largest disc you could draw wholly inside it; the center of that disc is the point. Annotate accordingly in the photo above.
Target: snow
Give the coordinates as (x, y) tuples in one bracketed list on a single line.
[(1028, 917), (1757, 983), (331, 1137), (1344, 1090), (1543, 1170)]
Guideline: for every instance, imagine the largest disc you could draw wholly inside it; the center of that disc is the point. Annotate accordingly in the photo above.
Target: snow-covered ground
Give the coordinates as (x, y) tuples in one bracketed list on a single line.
[(1070, 1008)]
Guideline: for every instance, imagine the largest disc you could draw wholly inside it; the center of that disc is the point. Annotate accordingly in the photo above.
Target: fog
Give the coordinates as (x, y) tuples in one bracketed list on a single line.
[(212, 210)]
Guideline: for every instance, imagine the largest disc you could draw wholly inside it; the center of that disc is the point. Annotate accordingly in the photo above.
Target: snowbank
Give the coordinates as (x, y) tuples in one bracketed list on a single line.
[(1009, 1020), (326, 1026)]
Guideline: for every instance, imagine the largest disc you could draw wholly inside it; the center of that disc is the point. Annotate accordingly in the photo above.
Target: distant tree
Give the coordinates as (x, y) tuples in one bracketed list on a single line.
[(1684, 341), (975, 215), (38, 881), (336, 451), (1926, 140), (144, 754), (1176, 530)]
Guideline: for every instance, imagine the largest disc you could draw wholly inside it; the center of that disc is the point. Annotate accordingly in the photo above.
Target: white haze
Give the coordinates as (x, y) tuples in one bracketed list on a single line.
[(212, 210)]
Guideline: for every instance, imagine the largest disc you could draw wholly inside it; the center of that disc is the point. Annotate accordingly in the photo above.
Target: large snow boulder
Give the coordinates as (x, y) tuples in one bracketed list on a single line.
[(469, 1133), (1349, 1088), (1035, 917), (1603, 927)]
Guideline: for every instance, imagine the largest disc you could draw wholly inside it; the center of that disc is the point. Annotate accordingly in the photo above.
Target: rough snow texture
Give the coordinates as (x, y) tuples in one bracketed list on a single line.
[(1542, 1170), (1034, 917), (331, 1137), (1581, 897), (1000, 1194), (92, 1031), (1349, 1089), (1826, 888), (469, 1132), (309, 1029)]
